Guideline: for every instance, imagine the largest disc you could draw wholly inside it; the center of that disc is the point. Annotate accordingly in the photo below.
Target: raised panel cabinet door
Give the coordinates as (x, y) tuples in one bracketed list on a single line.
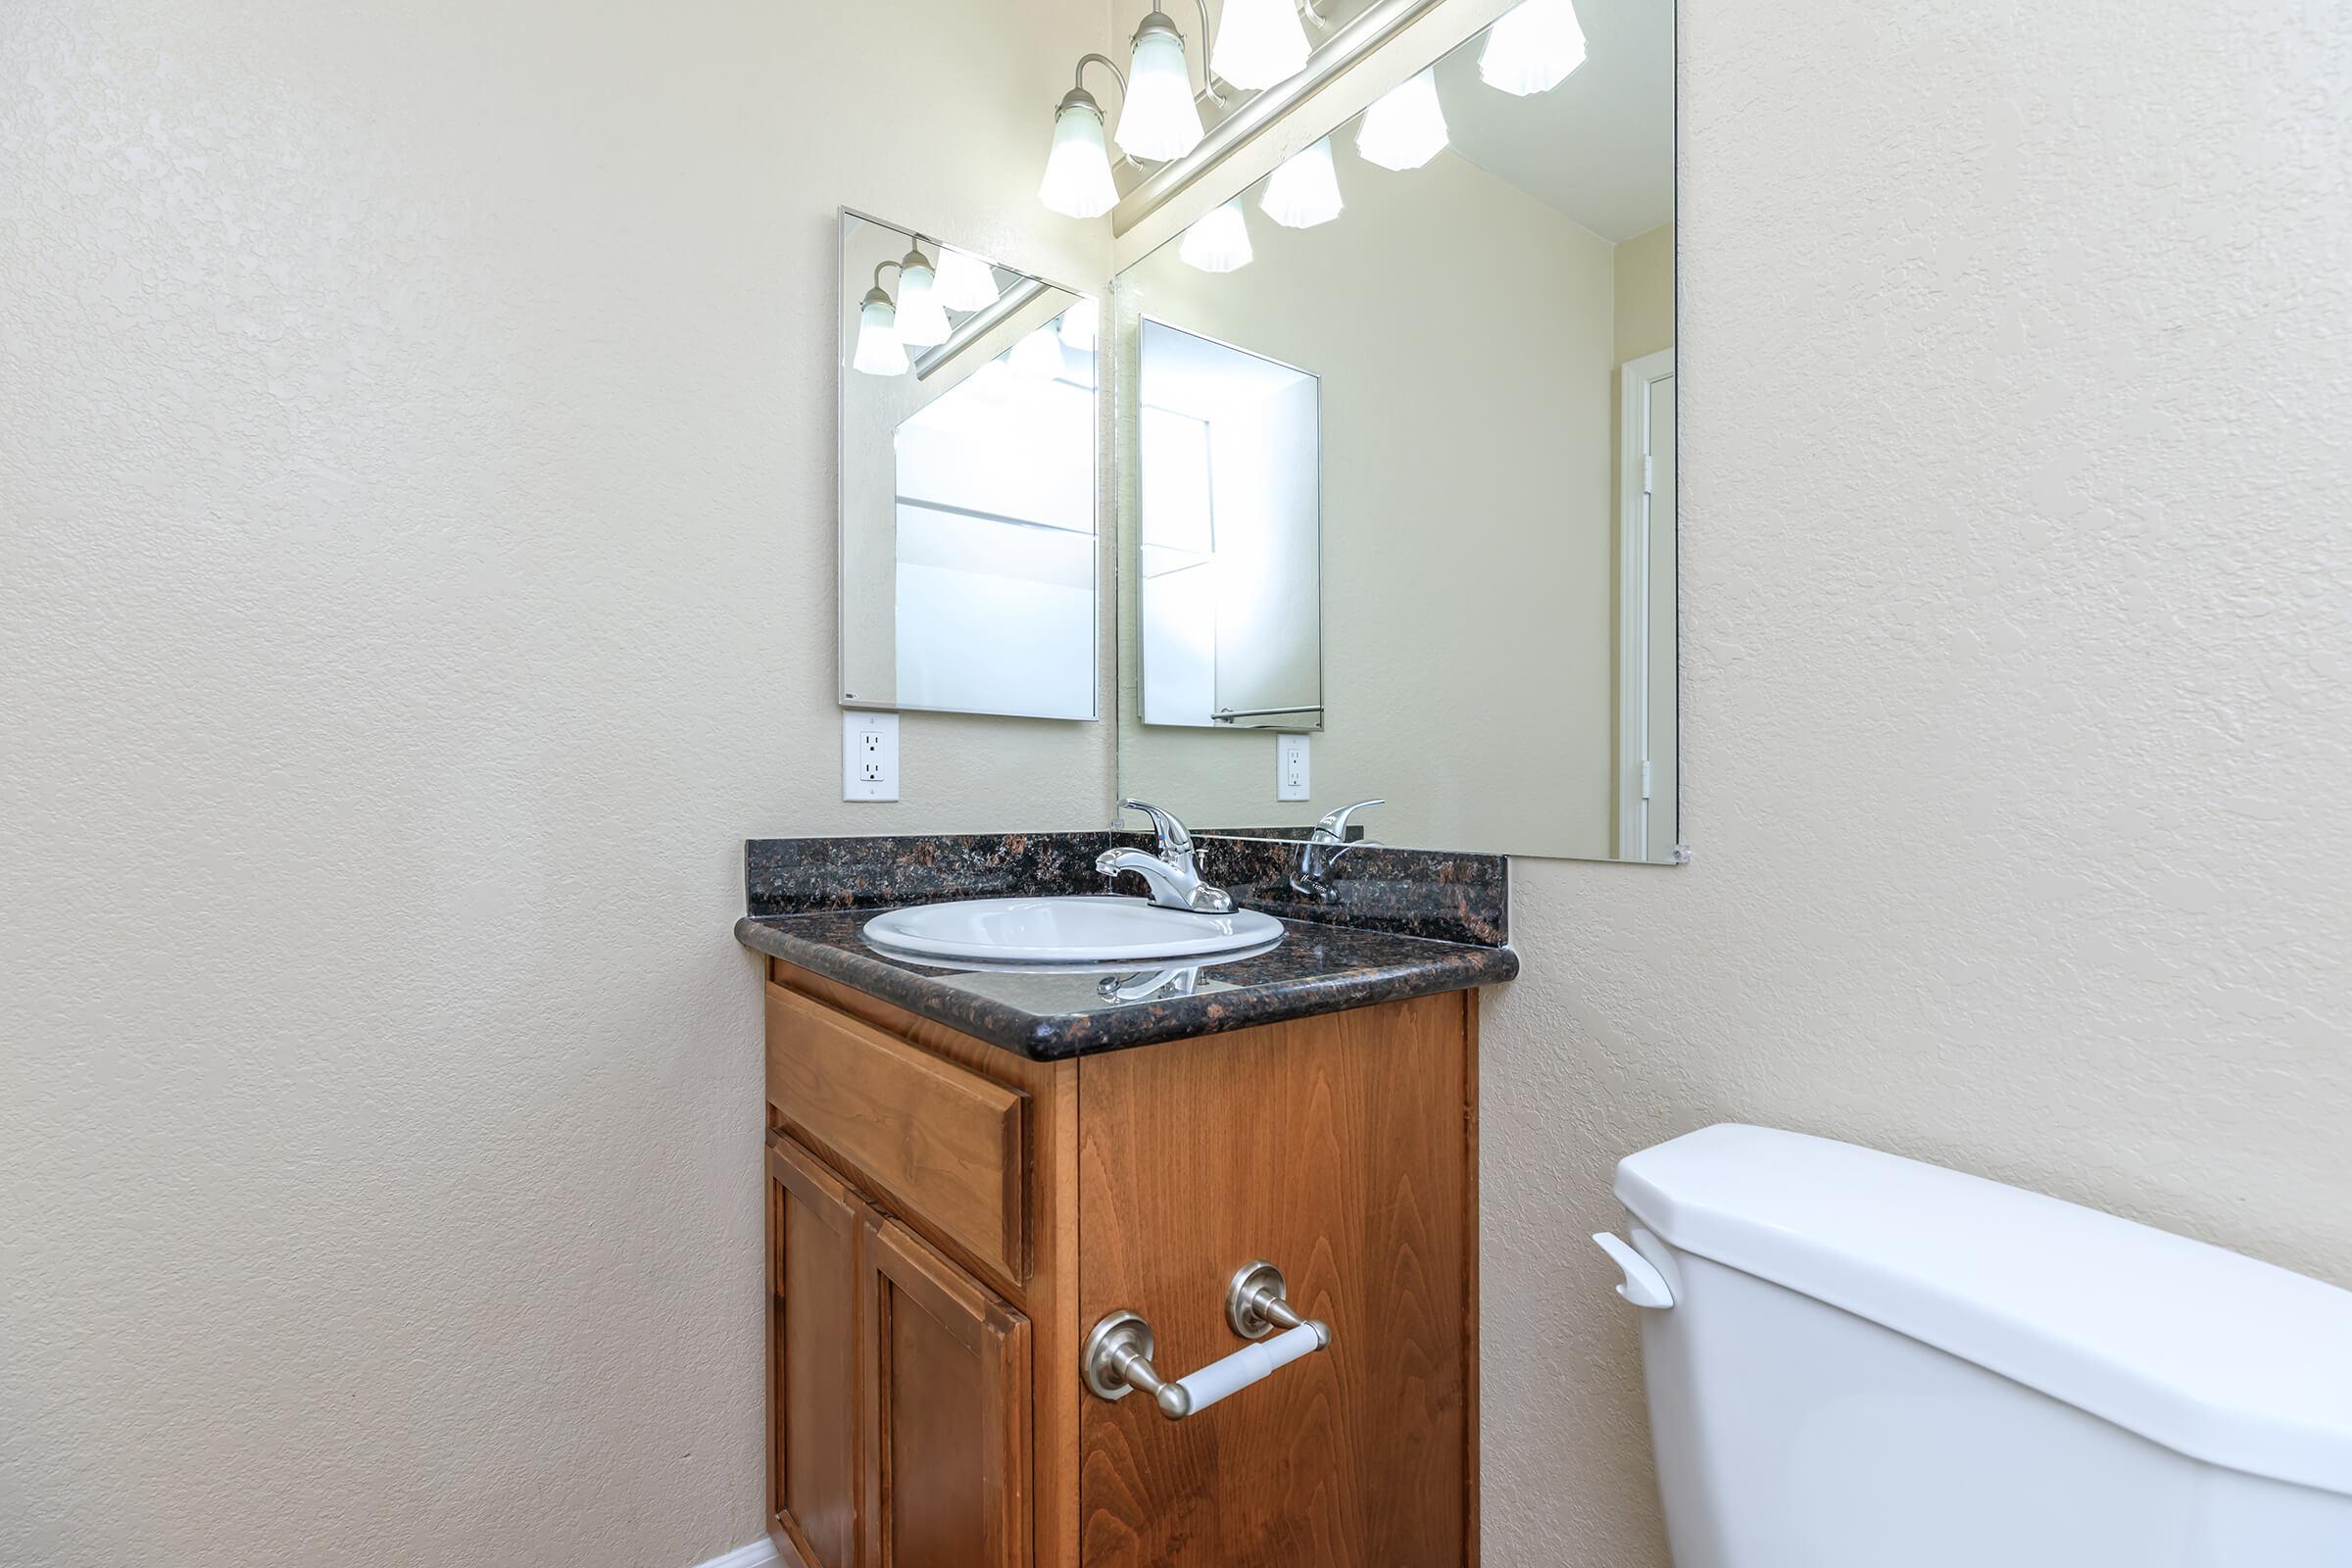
[(815, 1238), (946, 1418)]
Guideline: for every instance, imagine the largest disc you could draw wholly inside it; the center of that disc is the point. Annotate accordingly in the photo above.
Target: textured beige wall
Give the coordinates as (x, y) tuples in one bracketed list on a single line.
[(415, 577), (2015, 391), (1644, 267)]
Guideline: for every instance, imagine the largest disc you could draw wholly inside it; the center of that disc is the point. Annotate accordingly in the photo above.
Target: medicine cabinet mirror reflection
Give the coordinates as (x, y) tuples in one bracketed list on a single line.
[(967, 537), (1475, 277), (1229, 536)]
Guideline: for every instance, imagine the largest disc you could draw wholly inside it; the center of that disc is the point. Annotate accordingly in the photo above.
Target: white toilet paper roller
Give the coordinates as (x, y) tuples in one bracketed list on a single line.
[(1248, 1365)]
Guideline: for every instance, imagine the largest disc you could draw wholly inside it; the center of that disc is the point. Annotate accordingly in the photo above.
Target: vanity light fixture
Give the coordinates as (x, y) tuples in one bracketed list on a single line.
[(1533, 47), (966, 282), (1078, 327), (1260, 42), (1306, 190), (1159, 120), (1405, 127), (922, 322), (1078, 182), (879, 351), (1218, 241), (1037, 357)]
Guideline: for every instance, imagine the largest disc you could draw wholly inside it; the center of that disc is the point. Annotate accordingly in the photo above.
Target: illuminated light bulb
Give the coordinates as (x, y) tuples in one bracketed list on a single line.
[(1218, 242), (1306, 190), (922, 324), (1260, 42), (879, 351), (966, 282), (1159, 120), (1405, 127), (1077, 182), (1532, 48)]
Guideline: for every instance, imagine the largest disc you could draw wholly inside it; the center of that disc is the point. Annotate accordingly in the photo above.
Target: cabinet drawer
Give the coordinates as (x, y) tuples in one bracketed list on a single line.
[(945, 1146)]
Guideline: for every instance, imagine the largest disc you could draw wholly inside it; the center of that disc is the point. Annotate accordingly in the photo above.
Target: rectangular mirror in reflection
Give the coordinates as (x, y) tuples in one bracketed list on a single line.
[(968, 547), (1476, 278), (1229, 535)]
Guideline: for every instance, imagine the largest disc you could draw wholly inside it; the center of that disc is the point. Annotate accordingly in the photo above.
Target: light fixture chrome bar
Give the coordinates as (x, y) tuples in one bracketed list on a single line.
[(1348, 44), (977, 325)]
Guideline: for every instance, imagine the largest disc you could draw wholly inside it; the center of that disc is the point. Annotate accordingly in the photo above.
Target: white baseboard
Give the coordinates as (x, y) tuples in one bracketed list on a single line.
[(760, 1553)]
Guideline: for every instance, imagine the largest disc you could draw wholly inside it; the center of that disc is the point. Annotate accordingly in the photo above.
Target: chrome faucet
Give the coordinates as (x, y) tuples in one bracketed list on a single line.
[(1323, 848), (1174, 878)]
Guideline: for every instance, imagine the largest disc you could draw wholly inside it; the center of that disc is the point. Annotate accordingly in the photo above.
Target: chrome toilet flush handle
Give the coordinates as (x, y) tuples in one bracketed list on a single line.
[(1118, 1357)]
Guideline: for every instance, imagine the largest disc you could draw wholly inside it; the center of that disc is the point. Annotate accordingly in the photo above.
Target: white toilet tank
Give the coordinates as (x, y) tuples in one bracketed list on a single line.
[(1860, 1361)]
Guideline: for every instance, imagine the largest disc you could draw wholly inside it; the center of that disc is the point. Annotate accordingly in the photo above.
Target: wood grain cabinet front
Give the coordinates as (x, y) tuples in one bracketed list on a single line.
[(817, 1235), (947, 1417), (947, 1220)]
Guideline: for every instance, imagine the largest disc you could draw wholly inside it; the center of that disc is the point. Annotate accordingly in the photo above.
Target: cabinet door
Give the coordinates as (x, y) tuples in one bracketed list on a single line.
[(947, 1422), (815, 1235)]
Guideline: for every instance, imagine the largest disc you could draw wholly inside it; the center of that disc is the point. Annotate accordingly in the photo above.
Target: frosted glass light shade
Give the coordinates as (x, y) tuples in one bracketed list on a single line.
[(1404, 128), (1218, 241), (1037, 357), (1078, 327), (1306, 190), (1533, 47), (1077, 182), (1159, 120), (879, 351), (965, 283), (921, 322), (1260, 42)]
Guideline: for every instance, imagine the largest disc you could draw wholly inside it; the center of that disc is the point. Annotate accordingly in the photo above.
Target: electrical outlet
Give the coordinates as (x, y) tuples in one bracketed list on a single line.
[(1290, 767), (869, 757)]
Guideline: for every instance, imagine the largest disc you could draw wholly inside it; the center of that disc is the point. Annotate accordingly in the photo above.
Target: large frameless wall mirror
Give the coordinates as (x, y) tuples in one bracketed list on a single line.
[(1453, 315), (967, 538)]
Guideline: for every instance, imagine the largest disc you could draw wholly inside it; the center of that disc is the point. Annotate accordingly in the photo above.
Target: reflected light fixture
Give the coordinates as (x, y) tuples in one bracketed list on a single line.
[(879, 351), (966, 282), (1404, 128), (1037, 357), (1159, 120), (1306, 190), (1260, 42), (1078, 182), (1533, 47), (1078, 327), (1218, 241), (922, 322)]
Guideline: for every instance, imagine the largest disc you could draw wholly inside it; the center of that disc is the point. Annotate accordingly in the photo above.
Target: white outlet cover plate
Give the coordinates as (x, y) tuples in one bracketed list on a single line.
[(869, 755), (1291, 777)]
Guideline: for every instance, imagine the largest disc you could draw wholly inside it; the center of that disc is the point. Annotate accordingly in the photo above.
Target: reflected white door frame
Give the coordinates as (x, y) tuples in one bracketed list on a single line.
[(1645, 554)]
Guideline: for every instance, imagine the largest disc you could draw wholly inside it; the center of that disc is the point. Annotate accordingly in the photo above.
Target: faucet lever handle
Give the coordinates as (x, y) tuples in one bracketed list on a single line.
[(1172, 836), (1334, 825)]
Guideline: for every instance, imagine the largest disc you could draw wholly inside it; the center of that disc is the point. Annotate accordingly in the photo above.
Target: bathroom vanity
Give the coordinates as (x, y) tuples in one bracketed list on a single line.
[(967, 1172)]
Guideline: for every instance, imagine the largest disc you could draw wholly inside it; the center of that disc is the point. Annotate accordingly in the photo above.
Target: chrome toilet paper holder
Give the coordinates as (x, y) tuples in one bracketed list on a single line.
[(1116, 1358)]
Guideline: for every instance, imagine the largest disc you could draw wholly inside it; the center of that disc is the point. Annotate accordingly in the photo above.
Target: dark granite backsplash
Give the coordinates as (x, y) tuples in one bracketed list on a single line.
[(1421, 893), (1416, 893), (795, 876)]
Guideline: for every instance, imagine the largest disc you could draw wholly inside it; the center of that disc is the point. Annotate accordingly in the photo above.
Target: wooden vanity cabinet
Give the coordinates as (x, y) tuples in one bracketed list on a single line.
[(946, 1218)]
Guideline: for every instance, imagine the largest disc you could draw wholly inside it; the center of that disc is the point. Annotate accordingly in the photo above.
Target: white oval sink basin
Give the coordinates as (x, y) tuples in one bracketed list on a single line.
[(1086, 928)]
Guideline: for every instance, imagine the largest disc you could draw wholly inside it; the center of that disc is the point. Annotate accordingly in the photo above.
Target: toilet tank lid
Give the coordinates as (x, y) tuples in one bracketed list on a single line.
[(2214, 1356)]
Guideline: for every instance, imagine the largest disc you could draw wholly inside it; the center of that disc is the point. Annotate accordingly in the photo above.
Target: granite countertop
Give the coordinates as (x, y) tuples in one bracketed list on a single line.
[(1315, 968)]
